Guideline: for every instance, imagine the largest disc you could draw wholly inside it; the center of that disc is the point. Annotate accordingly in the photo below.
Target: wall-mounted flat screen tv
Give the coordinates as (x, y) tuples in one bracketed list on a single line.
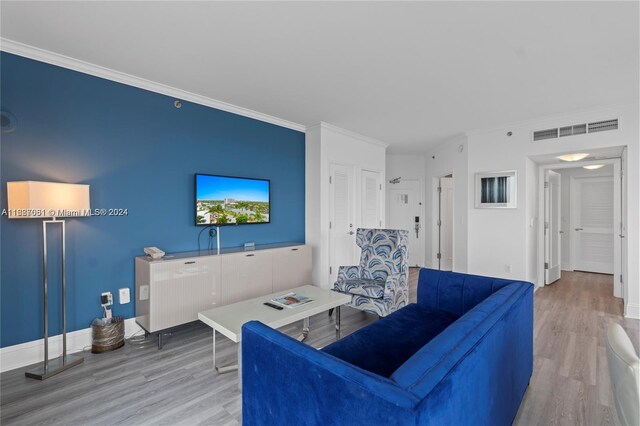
[(225, 200)]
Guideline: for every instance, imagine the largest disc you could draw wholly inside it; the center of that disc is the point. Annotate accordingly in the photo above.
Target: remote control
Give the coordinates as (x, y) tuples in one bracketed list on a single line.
[(271, 305)]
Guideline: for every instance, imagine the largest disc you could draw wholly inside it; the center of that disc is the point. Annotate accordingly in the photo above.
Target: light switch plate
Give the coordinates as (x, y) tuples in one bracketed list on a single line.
[(125, 297)]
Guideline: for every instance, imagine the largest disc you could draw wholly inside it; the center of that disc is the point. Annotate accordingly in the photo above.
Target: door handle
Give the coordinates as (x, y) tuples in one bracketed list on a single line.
[(621, 236), (351, 232), (562, 232), (578, 229)]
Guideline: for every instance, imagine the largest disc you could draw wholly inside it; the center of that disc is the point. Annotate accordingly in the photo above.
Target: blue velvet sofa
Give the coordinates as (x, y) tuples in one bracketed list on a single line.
[(462, 355)]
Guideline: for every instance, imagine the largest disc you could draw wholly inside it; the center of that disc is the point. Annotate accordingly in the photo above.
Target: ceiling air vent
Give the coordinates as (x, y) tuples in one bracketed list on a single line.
[(545, 134), (576, 129), (603, 126)]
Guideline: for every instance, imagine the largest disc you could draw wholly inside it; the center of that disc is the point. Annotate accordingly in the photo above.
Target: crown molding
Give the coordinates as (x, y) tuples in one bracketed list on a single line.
[(42, 55), (348, 133), (552, 118)]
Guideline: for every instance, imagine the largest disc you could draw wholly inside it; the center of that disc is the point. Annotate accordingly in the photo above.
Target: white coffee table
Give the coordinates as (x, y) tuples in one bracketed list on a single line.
[(228, 319)]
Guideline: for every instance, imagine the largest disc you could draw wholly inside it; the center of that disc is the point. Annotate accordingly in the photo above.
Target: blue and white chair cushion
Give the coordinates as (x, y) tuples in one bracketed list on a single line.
[(380, 283)]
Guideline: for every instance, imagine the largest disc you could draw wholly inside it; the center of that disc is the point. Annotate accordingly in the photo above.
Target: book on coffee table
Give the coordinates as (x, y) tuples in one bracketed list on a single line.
[(291, 300)]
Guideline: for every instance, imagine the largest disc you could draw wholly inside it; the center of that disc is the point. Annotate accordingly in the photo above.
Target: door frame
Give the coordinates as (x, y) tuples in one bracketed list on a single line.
[(619, 288), (420, 195), (435, 215)]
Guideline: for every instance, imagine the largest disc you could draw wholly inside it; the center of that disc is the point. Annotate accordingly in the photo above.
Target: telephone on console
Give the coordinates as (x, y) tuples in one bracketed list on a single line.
[(154, 252)]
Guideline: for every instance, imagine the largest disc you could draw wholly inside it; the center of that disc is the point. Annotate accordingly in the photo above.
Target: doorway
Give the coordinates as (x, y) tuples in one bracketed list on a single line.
[(444, 254), (582, 213), (405, 212)]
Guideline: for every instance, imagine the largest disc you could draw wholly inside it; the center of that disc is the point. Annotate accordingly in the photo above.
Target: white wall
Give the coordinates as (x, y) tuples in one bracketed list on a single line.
[(326, 144), (533, 222), (565, 208), (449, 157), (502, 238), (408, 167)]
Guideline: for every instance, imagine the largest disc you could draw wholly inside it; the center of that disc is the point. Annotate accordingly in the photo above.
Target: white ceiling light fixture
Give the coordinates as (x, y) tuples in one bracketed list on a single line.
[(593, 166), (573, 157)]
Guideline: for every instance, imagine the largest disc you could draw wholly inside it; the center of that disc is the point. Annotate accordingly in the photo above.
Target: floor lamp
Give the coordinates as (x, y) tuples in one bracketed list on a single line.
[(50, 201)]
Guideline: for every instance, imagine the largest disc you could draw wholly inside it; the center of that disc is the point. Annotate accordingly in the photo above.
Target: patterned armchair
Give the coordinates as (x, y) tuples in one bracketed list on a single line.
[(379, 285)]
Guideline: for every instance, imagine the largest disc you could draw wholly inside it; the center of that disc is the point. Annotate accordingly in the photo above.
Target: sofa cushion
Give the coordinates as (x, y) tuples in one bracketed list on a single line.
[(432, 362), (455, 292), (362, 287), (385, 345)]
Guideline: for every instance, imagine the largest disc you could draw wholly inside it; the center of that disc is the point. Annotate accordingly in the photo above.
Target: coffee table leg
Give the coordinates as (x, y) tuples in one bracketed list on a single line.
[(305, 330), (214, 350), (338, 323), (226, 368)]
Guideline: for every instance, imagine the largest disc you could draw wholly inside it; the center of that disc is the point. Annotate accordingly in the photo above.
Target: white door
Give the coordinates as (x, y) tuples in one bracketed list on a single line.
[(552, 242), (445, 224), (592, 208), (371, 199), (405, 212), (342, 232)]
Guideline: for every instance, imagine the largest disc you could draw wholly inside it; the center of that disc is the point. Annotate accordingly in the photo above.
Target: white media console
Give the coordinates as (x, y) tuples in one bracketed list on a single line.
[(172, 290)]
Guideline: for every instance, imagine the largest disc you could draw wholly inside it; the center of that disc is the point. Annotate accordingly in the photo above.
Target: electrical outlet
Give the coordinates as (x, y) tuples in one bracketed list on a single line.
[(124, 296), (144, 292), (106, 298)]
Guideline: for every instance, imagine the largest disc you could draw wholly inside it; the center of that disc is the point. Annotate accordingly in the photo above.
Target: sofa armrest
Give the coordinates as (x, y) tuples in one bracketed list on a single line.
[(348, 272), (287, 382)]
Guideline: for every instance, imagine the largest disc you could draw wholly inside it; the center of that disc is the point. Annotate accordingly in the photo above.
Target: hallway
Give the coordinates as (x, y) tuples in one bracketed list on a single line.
[(570, 382)]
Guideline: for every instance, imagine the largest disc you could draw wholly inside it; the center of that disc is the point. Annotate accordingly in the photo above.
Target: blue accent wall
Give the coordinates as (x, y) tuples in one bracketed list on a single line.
[(139, 152)]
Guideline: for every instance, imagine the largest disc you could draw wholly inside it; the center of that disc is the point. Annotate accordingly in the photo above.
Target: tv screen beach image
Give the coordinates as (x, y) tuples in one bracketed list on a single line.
[(222, 200)]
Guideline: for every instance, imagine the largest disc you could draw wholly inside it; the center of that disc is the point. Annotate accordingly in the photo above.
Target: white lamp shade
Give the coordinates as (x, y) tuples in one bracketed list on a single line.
[(30, 199)]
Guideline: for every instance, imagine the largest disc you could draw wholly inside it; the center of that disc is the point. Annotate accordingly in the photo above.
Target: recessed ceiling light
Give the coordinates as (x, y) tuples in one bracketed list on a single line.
[(573, 157), (593, 167)]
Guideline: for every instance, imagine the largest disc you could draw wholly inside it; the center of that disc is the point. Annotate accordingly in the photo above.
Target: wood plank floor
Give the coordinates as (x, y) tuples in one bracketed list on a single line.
[(570, 383), (140, 385)]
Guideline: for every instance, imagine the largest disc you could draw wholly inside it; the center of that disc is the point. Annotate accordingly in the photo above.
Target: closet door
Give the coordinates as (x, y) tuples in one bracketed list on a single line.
[(592, 208), (342, 231), (371, 196)]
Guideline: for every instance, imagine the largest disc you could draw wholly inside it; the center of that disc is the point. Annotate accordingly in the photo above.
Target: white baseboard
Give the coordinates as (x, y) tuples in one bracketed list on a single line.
[(28, 353), (632, 311)]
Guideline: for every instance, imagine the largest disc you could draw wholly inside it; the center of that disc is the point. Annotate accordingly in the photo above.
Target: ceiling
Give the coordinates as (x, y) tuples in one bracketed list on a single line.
[(408, 73)]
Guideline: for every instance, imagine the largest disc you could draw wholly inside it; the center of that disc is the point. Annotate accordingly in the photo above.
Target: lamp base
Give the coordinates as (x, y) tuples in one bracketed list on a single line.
[(56, 365)]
